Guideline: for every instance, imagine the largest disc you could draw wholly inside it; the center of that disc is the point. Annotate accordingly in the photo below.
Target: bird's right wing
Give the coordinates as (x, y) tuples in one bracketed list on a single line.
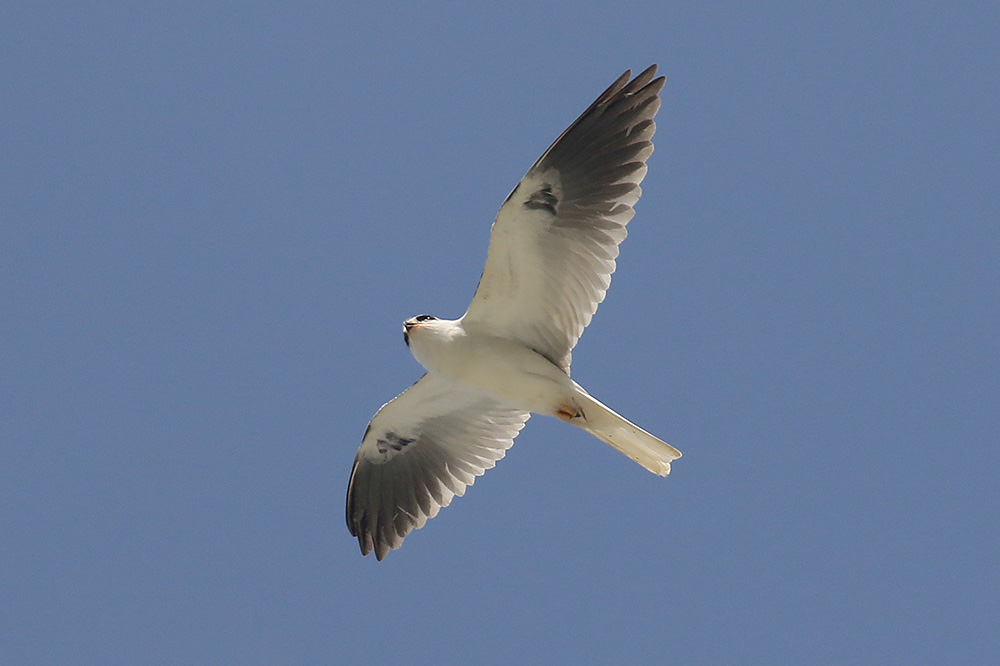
[(420, 450)]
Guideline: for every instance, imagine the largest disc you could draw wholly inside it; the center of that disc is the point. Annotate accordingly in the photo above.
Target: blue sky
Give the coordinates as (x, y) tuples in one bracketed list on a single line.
[(215, 218)]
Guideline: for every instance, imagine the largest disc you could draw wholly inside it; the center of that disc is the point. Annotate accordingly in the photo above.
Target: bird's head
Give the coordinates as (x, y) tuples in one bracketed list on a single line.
[(414, 322)]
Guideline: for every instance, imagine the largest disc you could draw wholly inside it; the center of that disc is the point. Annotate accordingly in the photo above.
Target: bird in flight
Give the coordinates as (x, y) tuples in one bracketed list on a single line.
[(552, 252)]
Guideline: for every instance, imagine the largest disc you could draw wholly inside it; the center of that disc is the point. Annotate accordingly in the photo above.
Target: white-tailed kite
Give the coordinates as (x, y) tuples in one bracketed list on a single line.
[(552, 252)]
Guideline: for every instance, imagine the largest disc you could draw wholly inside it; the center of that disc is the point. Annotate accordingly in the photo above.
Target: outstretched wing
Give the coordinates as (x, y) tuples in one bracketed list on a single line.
[(555, 240), (420, 450)]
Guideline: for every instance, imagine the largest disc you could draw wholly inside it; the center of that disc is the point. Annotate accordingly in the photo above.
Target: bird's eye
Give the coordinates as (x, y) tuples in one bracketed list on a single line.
[(424, 317)]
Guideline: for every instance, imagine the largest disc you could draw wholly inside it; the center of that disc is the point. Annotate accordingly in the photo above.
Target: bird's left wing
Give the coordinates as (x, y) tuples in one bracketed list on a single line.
[(420, 450), (555, 240)]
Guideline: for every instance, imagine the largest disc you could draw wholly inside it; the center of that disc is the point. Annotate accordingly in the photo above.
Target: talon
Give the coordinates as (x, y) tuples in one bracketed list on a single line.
[(568, 412)]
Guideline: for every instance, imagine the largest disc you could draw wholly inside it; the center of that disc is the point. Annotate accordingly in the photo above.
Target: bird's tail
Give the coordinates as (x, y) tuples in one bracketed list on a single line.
[(603, 423)]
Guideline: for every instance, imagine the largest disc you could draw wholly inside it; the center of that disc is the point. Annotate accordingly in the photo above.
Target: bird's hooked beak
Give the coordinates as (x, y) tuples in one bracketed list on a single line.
[(412, 323)]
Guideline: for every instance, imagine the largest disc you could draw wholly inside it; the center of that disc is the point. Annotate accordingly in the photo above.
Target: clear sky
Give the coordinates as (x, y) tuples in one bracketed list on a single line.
[(215, 217)]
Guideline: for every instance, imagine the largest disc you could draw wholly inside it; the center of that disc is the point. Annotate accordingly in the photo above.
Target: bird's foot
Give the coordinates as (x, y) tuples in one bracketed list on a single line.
[(569, 412)]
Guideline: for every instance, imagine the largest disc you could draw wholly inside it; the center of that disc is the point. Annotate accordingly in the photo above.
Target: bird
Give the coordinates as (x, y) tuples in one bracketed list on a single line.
[(552, 251)]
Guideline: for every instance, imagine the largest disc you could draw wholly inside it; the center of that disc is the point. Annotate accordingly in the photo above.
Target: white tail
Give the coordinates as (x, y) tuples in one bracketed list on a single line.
[(603, 423)]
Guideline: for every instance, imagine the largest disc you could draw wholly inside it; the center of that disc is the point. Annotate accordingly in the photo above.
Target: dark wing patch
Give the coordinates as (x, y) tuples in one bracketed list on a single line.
[(393, 442), (543, 199)]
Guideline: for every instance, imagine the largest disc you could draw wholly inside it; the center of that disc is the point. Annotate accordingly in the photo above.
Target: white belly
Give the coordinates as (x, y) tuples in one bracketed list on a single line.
[(505, 370)]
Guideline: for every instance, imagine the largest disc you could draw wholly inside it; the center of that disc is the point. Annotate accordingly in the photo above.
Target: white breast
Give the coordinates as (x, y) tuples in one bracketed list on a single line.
[(505, 370)]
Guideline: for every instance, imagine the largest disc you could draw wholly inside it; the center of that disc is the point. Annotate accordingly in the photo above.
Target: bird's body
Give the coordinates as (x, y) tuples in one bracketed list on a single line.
[(502, 369), (552, 252)]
